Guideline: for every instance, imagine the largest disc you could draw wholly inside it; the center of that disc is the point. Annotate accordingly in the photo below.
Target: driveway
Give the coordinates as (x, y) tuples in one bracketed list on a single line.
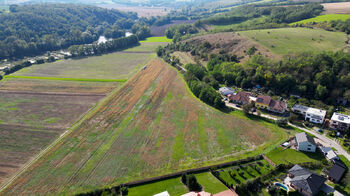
[(325, 140)]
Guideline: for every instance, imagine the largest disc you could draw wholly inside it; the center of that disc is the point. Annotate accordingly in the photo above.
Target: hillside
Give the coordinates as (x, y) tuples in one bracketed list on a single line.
[(324, 18), (296, 40), (33, 29), (151, 126)]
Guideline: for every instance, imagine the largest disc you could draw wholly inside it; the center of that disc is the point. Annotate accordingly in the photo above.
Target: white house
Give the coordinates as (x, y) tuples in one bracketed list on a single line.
[(305, 142), (329, 153), (313, 115), (340, 121)]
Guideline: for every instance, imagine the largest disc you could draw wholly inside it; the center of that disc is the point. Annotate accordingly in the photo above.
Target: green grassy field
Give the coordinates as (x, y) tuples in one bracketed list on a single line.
[(242, 173), (174, 186), (297, 40), (157, 39), (146, 47), (280, 156), (119, 65), (324, 18), (150, 127), (209, 183)]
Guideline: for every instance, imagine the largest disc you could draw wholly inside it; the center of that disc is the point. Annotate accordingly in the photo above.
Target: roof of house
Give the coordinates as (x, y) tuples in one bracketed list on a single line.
[(316, 112), (192, 193), (303, 137), (226, 91), (263, 99), (341, 118), (306, 180), (337, 171), (300, 108), (278, 105), (310, 110), (325, 149), (241, 96), (331, 155), (165, 193)]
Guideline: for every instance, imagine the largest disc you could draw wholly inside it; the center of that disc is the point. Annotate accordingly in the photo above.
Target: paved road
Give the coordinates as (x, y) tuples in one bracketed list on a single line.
[(323, 138)]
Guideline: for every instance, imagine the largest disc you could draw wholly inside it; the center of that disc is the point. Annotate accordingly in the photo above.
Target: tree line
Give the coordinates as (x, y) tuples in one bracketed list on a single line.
[(316, 76), (33, 29), (270, 17), (109, 46)]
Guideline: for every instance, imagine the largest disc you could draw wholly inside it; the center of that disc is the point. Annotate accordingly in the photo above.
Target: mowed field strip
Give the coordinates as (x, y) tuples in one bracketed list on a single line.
[(118, 65), (297, 40), (324, 18), (37, 109), (151, 126)]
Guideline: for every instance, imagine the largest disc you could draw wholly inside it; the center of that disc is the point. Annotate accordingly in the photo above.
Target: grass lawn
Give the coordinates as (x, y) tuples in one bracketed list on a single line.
[(323, 18), (280, 156), (173, 186), (345, 181), (157, 39), (242, 173), (296, 40), (210, 183), (116, 65)]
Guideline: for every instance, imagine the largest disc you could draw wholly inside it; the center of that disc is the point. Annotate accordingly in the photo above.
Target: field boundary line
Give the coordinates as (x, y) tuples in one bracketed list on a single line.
[(65, 79), (92, 111)]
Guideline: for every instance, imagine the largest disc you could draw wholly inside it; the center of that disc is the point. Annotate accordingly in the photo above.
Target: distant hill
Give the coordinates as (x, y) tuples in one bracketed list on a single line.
[(32, 29)]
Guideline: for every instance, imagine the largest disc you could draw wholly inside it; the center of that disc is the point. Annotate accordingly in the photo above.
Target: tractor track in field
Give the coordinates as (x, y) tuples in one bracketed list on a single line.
[(54, 93)]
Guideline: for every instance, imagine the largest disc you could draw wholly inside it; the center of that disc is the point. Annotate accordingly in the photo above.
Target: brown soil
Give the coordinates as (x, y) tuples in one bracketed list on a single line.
[(337, 8)]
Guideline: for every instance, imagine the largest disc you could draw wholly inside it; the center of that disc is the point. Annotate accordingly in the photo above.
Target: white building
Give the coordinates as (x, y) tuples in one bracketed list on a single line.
[(329, 153), (340, 121), (313, 115), (305, 142)]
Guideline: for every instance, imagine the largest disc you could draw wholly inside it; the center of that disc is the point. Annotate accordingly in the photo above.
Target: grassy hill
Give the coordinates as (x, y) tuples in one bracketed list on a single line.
[(297, 40), (324, 18), (151, 126)]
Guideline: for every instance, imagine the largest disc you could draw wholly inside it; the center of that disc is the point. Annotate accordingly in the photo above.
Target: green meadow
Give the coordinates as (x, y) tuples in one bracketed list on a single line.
[(323, 18), (157, 39), (297, 40)]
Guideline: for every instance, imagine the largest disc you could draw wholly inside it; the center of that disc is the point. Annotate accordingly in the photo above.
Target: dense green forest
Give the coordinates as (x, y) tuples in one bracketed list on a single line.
[(34, 29)]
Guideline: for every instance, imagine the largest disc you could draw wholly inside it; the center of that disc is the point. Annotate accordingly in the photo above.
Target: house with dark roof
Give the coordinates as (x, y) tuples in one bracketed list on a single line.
[(305, 181), (337, 171), (240, 98), (305, 142), (267, 103)]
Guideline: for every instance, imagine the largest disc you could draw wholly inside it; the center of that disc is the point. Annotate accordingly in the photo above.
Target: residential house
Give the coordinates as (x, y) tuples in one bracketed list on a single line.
[(305, 181), (267, 103), (305, 142), (337, 171), (241, 98), (313, 115), (226, 91), (340, 121), (329, 153)]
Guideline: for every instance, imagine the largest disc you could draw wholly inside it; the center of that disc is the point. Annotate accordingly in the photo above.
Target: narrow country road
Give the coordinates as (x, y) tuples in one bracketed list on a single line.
[(325, 139)]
